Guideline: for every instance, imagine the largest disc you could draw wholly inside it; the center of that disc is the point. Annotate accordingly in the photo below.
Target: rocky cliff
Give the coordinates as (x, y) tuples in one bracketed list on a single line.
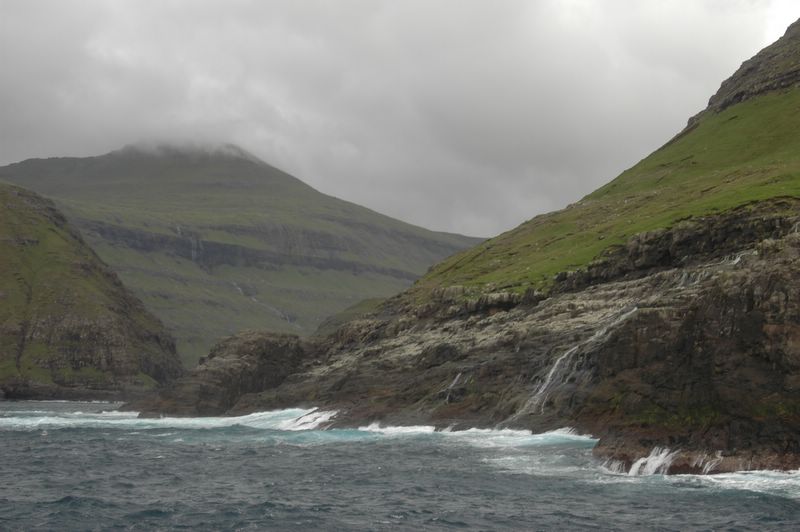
[(660, 313), (671, 344), (68, 327), (776, 67), (247, 363)]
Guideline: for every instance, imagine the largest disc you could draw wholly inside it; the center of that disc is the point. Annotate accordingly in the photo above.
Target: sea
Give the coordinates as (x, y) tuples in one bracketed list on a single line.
[(88, 466)]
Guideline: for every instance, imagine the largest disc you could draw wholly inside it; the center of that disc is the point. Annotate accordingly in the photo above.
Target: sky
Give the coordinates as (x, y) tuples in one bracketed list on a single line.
[(456, 115)]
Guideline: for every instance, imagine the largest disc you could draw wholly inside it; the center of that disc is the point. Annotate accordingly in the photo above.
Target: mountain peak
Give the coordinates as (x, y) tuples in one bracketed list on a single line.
[(775, 67)]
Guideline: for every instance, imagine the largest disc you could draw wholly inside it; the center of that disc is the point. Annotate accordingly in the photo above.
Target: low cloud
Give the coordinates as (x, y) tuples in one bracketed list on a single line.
[(457, 115)]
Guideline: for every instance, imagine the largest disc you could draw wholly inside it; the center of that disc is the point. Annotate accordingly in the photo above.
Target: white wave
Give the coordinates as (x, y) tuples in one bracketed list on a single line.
[(398, 430), (614, 467), (707, 463), (657, 462), (779, 483), (276, 420), (541, 463), (520, 438), (485, 437), (292, 419), (562, 452), (773, 482), (315, 419)]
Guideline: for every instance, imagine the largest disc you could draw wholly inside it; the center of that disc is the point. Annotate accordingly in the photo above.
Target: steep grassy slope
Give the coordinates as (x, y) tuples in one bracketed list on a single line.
[(215, 240), (67, 325), (745, 152)]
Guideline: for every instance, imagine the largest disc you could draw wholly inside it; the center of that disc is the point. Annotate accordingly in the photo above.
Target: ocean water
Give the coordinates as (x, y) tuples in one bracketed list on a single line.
[(83, 466)]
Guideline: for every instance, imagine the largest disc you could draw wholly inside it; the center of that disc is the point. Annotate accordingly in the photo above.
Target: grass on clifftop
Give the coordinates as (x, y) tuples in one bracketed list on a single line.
[(748, 152)]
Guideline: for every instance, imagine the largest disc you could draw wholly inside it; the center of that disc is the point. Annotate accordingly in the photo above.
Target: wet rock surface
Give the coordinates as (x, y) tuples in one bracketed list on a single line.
[(686, 339), (248, 362)]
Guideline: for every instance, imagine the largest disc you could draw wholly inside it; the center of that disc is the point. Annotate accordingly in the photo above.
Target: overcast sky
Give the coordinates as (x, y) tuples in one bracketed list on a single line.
[(457, 115)]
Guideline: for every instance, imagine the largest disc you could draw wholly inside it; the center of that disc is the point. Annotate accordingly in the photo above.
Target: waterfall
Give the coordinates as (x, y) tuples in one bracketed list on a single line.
[(196, 247), (541, 394), (562, 369), (450, 388), (737, 258), (238, 288)]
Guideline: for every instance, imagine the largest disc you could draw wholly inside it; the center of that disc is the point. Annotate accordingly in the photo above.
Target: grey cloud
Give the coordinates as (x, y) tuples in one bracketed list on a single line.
[(467, 116)]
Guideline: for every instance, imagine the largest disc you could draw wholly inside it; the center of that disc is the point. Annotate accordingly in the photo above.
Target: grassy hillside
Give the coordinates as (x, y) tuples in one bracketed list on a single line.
[(748, 152), (744, 147), (215, 240), (65, 319)]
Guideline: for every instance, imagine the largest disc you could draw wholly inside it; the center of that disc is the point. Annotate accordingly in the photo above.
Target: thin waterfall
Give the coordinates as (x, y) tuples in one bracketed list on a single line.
[(450, 388), (562, 368)]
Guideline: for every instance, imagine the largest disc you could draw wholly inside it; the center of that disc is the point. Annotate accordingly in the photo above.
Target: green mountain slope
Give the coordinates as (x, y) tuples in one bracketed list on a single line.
[(214, 240), (742, 149), (67, 325)]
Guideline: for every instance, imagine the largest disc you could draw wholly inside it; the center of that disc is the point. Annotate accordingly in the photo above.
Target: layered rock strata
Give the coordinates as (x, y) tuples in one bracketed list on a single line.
[(686, 338)]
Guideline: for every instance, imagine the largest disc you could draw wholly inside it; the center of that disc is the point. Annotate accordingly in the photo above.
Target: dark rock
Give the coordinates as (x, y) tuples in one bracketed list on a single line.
[(246, 363)]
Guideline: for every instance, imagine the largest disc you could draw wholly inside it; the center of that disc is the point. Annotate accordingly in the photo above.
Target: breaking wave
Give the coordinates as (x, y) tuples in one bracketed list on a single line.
[(287, 420), (85, 465)]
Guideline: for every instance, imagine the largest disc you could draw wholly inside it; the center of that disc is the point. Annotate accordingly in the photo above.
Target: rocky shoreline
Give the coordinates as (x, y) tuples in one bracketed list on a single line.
[(685, 340)]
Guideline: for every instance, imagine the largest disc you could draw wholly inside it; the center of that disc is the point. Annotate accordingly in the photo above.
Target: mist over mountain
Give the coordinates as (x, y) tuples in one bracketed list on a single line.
[(463, 115)]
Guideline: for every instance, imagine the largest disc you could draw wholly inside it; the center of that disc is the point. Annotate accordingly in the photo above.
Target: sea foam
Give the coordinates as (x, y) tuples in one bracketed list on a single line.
[(288, 419)]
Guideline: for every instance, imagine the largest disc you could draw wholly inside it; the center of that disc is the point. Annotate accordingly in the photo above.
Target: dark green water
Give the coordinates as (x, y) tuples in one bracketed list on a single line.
[(69, 466)]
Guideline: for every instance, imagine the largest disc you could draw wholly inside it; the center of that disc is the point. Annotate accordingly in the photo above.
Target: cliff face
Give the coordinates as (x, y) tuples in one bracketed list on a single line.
[(214, 240), (238, 365), (68, 327), (661, 313), (673, 343)]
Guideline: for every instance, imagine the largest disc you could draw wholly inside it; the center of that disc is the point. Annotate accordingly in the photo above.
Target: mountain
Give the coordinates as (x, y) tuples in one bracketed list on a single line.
[(743, 148), (660, 313), (213, 240), (68, 328)]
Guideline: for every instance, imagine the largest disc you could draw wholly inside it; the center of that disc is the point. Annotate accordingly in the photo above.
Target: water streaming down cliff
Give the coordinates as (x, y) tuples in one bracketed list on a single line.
[(565, 367)]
